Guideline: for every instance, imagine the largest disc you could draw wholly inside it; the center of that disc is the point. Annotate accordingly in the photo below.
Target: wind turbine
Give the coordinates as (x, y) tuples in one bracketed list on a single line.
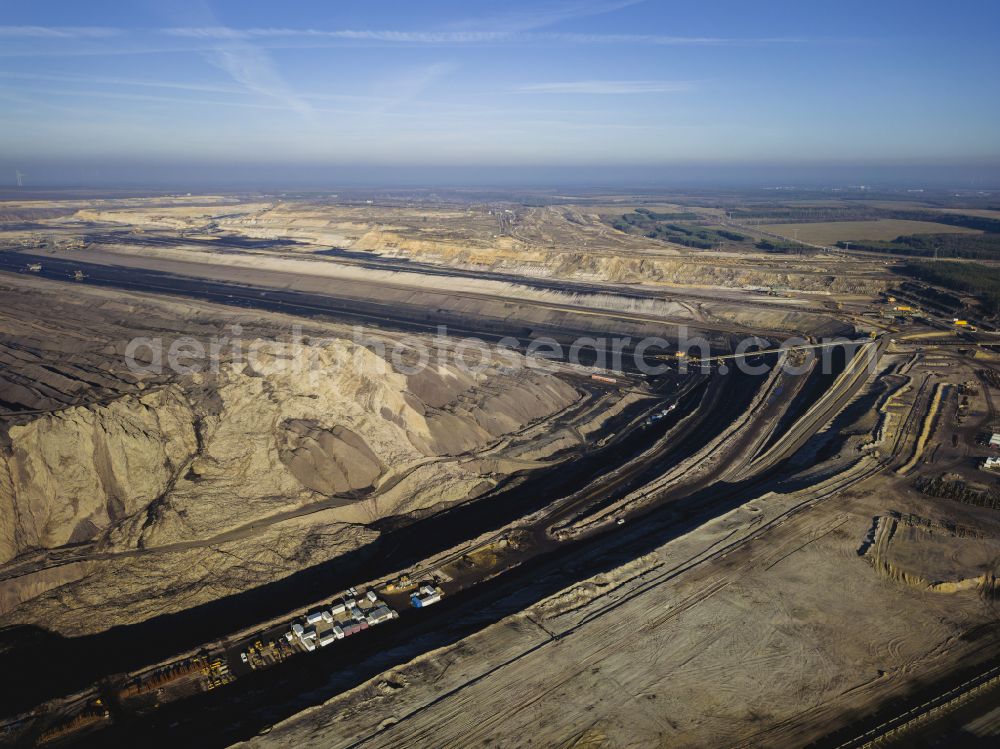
[(20, 177)]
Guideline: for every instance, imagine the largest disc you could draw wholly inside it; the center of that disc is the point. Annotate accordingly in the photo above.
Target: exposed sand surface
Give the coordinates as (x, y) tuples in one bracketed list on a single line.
[(764, 646)]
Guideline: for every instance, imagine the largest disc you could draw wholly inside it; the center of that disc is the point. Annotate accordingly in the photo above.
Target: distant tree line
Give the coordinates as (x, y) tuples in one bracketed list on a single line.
[(971, 246), (666, 227), (981, 223), (804, 214), (654, 216), (816, 214), (778, 246), (975, 279)]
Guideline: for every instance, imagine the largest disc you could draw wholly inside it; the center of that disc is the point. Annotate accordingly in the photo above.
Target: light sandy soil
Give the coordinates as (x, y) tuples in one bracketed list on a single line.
[(770, 643), (569, 241), (125, 496), (201, 466), (772, 625), (317, 274)]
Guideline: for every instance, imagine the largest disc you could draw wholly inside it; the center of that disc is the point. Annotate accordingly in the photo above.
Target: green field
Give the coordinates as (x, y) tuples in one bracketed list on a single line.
[(829, 232)]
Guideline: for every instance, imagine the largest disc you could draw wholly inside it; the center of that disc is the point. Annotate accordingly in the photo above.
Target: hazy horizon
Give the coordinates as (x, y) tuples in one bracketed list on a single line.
[(200, 177), (612, 91)]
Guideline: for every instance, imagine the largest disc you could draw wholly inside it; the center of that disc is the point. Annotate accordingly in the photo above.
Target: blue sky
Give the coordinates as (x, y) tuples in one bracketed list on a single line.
[(566, 82)]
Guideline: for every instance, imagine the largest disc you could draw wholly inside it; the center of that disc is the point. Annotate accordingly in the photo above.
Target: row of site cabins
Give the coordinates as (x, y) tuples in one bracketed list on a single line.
[(347, 618)]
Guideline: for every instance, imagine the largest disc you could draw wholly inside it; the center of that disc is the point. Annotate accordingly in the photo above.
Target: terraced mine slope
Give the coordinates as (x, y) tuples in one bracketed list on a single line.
[(237, 430)]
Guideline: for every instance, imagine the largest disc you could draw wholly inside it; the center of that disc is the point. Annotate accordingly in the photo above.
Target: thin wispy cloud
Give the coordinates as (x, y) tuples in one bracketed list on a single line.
[(57, 32), (520, 82), (606, 87), (81, 93), (247, 63), (410, 84), (252, 68), (541, 16), (464, 37), (116, 81), (206, 39), (198, 103), (370, 35), (407, 88), (673, 41)]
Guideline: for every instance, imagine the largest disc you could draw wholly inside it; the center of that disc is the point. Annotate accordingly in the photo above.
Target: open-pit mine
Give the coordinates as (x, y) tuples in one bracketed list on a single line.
[(463, 469)]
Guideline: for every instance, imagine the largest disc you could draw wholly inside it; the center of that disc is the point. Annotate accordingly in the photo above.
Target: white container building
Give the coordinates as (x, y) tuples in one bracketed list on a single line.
[(380, 614)]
